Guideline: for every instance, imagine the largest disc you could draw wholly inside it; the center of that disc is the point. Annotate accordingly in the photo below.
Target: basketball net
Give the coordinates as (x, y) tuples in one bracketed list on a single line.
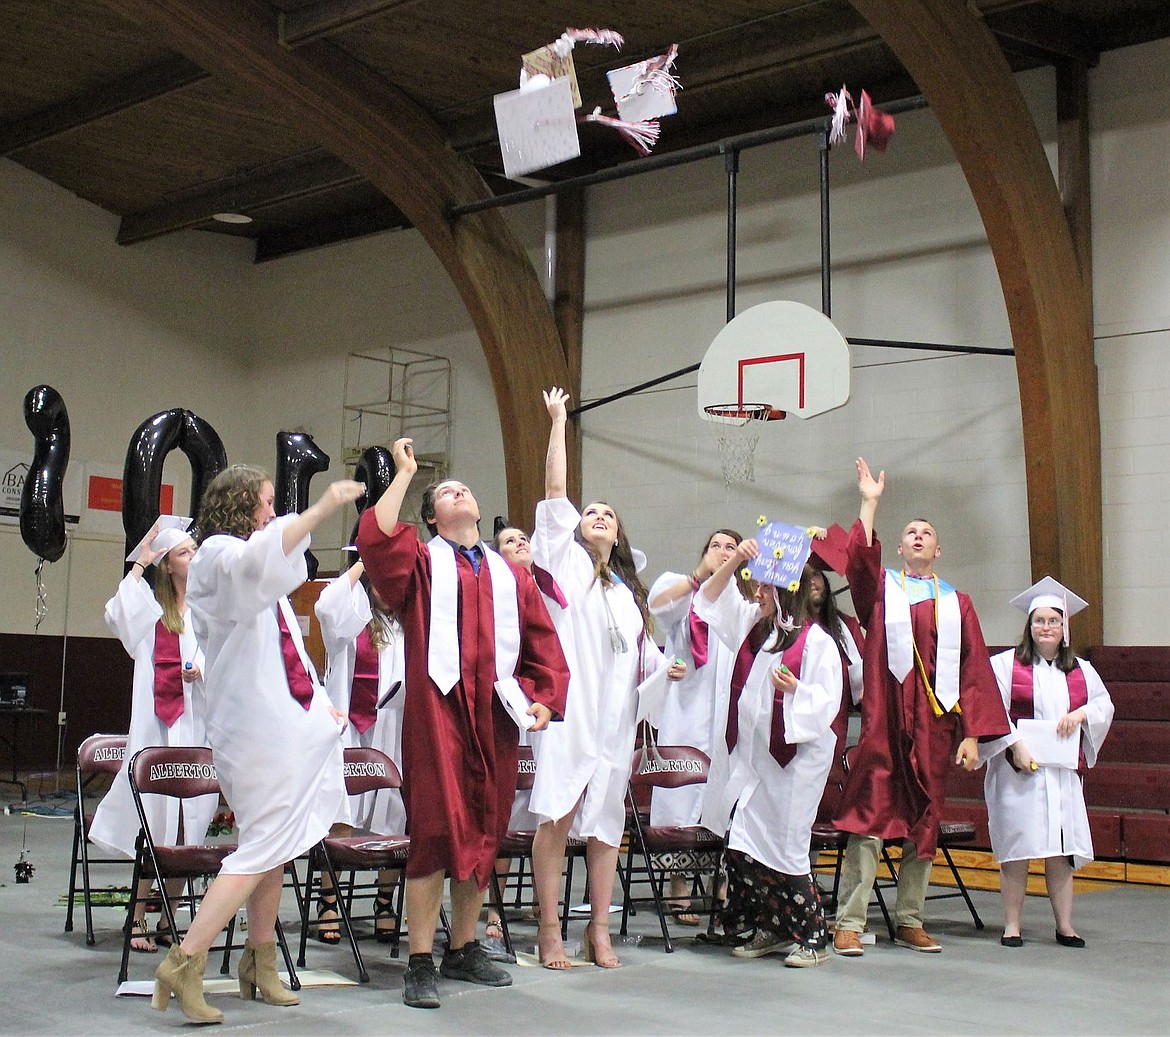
[(737, 430)]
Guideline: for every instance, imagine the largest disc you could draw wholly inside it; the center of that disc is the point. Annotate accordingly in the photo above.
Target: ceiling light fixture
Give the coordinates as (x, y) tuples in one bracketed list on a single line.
[(231, 217)]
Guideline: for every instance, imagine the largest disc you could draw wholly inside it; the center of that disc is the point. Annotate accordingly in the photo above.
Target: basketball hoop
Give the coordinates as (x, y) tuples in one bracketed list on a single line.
[(737, 431)]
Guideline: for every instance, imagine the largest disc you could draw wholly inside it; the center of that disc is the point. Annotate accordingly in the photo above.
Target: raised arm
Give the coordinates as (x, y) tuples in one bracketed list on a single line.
[(871, 492), (717, 583), (388, 508), (556, 462), (335, 497)]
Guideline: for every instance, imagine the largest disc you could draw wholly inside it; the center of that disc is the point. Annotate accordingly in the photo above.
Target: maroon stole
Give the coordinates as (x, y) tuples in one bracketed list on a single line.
[(363, 693), (547, 585), (299, 685), (168, 675), (1023, 706), (781, 749), (700, 650)]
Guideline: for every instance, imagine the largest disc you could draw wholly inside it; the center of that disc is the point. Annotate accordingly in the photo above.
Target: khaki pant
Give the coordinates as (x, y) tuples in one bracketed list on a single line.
[(862, 853)]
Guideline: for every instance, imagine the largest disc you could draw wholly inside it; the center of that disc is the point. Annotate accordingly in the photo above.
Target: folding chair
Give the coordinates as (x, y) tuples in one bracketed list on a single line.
[(667, 849), (516, 846), (98, 755), (183, 772), (366, 770)]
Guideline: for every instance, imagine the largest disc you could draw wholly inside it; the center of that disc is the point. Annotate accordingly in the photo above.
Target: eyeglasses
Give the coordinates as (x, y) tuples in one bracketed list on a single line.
[(1052, 621)]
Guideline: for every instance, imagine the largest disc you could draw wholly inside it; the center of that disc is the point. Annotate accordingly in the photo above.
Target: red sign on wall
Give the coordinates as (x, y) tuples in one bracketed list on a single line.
[(105, 494)]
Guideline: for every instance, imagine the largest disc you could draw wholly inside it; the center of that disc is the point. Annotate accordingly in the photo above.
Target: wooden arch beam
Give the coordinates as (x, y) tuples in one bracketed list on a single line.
[(963, 74), (380, 132)]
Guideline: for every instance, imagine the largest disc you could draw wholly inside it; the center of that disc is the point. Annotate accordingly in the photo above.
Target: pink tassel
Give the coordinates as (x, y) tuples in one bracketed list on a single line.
[(840, 103), (658, 76), (642, 136), (602, 37)]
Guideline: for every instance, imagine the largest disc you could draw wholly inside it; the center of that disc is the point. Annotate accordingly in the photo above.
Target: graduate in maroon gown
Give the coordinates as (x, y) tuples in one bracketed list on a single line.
[(930, 696), (469, 624)]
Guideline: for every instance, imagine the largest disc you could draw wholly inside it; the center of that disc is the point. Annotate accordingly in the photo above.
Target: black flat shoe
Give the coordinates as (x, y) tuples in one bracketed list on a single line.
[(1069, 941), (1011, 941)]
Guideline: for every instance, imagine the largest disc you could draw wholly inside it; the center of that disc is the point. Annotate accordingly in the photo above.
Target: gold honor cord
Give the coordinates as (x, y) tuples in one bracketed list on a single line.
[(934, 703)]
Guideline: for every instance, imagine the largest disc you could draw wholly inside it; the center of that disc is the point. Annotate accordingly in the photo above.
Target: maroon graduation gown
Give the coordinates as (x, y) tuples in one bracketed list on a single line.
[(897, 782), (459, 751)]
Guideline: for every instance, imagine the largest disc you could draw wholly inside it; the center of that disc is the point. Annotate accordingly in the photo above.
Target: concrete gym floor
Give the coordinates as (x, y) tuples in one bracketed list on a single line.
[(52, 983)]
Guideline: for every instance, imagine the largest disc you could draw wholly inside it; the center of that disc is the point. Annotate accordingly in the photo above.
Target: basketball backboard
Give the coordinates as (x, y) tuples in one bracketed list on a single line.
[(781, 355)]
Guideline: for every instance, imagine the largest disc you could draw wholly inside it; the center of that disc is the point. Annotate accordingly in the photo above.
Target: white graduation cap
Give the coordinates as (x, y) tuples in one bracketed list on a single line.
[(537, 127), (1050, 593), (172, 531), (645, 90)]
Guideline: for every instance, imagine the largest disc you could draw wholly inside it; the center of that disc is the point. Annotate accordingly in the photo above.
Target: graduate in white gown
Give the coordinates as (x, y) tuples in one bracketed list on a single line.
[(275, 737), (583, 763), (695, 710), (364, 676), (1036, 809), (166, 705), (781, 749)]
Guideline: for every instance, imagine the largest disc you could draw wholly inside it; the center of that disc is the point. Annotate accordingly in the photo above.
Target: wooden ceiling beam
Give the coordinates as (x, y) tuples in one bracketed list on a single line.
[(329, 16), (249, 195), (138, 87), (378, 131), (1046, 34), (329, 231), (964, 76)]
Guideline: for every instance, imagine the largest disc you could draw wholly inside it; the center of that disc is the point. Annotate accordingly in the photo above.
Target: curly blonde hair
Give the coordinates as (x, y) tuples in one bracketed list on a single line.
[(230, 501)]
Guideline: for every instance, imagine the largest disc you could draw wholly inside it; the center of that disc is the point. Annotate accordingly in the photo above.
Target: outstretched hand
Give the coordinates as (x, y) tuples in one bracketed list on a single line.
[(869, 487), (556, 401), (343, 491), (402, 453)]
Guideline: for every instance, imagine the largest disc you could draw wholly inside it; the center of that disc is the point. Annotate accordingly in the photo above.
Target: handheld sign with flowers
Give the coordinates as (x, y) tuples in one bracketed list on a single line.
[(784, 549)]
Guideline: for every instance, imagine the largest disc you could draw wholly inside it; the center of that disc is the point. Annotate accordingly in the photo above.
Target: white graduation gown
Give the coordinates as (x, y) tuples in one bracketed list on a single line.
[(132, 614), (344, 611), (775, 806), (695, 712), (591, 750), (279, 764), (1042, 814)]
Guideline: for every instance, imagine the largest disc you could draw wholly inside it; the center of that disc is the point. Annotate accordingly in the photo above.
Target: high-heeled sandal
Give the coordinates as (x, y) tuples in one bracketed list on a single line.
[(551, 957), (384, 911), (144, 939), (325, 903), (611, 961)]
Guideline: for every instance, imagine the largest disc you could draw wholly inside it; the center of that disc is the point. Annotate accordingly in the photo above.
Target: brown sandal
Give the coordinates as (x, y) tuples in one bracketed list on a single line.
[(552, 956)]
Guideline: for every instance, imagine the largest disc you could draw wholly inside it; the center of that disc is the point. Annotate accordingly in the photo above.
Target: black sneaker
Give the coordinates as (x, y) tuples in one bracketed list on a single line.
[(420, 986), (472, 964)]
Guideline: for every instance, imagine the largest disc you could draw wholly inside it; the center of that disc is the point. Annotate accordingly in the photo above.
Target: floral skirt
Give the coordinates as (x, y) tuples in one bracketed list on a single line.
[(760, 898)]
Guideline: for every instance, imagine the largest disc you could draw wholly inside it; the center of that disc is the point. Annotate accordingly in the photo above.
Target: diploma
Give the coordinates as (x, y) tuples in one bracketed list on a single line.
[(1047, 747), (515, 702)]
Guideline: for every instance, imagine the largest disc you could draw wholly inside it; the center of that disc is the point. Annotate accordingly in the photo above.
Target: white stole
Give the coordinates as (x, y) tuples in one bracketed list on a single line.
[(900, 638), (443, 652), (855, 665)]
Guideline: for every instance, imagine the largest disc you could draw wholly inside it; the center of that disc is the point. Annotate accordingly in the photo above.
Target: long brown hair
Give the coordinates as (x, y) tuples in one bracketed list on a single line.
[(794, 604), (621, 565), (380, 619), (164, 592), (230, 502), (1065, 661)]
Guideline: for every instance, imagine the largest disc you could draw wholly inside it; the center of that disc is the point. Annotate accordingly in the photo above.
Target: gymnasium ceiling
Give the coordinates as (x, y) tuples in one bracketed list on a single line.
[(106, 107)]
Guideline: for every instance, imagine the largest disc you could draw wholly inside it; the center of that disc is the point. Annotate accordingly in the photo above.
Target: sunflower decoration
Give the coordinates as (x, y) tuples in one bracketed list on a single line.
[(746, 573), (778, 553), (794, 586), (762, 520)]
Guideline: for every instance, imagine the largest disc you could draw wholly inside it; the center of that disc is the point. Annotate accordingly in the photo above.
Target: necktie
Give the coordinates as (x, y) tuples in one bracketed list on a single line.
[(548, 586), (299, 685), (699, 633), (473, 555), (168, 675), (363, 695)]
